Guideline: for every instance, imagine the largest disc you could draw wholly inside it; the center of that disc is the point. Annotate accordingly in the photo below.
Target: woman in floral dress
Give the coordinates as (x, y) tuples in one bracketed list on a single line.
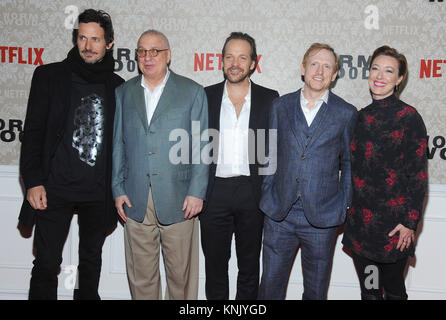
[(389, 176)]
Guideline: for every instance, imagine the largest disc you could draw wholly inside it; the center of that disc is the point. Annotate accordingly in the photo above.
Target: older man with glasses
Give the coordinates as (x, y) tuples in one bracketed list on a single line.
[(156, 198)]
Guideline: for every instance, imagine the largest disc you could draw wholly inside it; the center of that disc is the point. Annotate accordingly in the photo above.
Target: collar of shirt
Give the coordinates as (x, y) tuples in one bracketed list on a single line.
[(310, 114), (152, 97), (304, 101), (246, 105)]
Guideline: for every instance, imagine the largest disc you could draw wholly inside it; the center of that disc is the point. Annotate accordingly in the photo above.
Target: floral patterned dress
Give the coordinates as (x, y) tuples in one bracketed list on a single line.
[(389, 177)]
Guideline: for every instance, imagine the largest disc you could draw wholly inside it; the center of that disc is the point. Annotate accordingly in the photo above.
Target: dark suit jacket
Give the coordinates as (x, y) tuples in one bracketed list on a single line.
[(48, 103), (261, 101), (316, 168)]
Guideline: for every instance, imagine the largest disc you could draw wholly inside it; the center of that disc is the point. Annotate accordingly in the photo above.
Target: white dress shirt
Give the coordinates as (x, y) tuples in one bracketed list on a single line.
[(310, 114), (233, 155), (152, 97)]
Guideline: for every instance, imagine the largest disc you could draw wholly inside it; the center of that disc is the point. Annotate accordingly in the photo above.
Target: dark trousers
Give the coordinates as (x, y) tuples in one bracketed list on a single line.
[(232, 210), (52, 227), (375, 277), (281, 241)]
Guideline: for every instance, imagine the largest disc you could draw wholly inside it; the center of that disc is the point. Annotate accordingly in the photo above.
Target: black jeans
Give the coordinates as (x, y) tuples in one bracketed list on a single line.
[(376, 278), (52, 227), (232, 210)]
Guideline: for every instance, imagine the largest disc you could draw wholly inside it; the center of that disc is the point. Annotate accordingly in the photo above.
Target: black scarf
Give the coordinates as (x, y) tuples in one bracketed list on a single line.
[(98, 72)]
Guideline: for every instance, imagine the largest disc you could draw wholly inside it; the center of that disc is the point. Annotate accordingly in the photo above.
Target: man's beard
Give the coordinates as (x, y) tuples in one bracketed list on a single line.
[(240, 78), (92, 61)]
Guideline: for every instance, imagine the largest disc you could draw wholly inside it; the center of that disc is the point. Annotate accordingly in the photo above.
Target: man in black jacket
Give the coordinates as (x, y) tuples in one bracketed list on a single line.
[(65, 158), (237, 108)]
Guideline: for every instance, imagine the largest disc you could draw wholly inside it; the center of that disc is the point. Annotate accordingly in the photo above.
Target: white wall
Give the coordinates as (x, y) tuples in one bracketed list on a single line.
[(425, 278)]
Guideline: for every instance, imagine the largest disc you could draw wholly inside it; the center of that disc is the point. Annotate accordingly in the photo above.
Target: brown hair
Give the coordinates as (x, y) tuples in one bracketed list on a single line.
[(391, 52), (251, 41), (317, 47), (99, 16)]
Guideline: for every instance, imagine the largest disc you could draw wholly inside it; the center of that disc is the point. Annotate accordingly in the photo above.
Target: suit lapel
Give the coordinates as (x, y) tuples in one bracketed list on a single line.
[(254, 121), (256, 102), (214, 95), (319, 122), (297, 119), (215, 101), (140, 103), (167, 97)]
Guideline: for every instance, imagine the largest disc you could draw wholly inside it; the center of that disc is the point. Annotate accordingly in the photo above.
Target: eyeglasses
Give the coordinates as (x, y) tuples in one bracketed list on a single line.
[(152, 52)]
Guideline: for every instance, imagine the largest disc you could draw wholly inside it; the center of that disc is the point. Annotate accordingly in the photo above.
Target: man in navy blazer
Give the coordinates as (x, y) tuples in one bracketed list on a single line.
[(236, 107), (307, 197)]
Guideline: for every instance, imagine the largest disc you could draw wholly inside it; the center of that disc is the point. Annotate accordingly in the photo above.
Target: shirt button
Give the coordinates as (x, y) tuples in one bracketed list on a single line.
[(150, 153), (148, 175), (297, 180), (303, 157)]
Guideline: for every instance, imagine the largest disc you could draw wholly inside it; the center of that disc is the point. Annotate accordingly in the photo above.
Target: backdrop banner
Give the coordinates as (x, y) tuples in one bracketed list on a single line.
[(37, 32)]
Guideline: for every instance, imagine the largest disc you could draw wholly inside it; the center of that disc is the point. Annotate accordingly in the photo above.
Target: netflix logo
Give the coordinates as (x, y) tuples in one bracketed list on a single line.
[(431, 68), (21, 55), (214, 61)]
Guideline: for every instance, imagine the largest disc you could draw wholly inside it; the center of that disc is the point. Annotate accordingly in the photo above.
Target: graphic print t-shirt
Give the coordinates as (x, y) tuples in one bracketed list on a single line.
[(78, 167)]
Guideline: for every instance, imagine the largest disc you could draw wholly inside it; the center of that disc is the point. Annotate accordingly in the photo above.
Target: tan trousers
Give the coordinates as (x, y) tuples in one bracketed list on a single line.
[(179, 244)]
